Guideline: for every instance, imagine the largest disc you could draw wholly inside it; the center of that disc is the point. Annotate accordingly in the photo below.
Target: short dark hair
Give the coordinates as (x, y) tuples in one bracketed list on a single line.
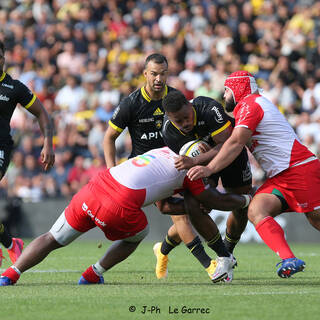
[(157, 58), (2, 47), (174, 101)]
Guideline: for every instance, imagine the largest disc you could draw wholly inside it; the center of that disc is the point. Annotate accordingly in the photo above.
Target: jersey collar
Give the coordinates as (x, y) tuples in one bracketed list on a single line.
[(2, 76), (147, 97)]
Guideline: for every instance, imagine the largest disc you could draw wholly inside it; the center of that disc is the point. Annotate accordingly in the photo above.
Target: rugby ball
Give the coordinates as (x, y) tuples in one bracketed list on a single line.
[(191, 148)]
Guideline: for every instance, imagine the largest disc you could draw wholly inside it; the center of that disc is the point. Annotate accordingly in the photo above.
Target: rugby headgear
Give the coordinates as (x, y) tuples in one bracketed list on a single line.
[(241, 84)]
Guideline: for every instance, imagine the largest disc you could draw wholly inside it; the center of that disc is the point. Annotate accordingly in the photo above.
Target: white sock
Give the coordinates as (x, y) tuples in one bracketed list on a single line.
[(98, 268), (16, 270)]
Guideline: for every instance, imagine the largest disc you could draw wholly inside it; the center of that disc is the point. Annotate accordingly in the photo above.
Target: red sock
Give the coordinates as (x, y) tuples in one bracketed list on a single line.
[(12, 274), (273, 236), (90, 275)]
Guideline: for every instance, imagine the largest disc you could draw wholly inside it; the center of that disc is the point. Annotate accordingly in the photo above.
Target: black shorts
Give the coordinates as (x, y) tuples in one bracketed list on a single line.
[(5, 156), (237, 174)]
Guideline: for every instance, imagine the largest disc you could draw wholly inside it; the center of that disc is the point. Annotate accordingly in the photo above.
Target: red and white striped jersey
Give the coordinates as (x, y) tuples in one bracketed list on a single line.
[(274, 143)]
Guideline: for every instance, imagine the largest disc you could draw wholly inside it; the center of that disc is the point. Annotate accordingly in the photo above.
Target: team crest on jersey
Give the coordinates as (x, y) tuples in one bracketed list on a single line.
[(158, 124), (158, 112)]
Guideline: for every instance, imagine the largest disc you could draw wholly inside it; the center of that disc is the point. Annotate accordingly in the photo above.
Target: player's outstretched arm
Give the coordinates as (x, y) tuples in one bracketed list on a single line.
[(211, 198)]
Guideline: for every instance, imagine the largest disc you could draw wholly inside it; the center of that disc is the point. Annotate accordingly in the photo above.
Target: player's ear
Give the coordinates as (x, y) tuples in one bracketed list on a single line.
[(145, 73)]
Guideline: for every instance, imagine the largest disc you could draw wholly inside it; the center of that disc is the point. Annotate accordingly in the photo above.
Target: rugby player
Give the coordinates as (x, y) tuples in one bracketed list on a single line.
[(13, 92), (204, 118), (142, 113), (293, 171), (112, 201)]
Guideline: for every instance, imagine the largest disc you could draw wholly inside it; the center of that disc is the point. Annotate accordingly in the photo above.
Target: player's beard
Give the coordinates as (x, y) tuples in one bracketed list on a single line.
[(230, 105)]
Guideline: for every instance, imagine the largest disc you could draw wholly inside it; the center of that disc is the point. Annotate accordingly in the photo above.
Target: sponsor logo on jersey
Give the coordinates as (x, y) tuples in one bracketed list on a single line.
[(151, 135), (4, 98), (7, 85), (146, 120), (303, 205), (200, 123), (158, 112), (142, 160), (85, 208), (218, 117)]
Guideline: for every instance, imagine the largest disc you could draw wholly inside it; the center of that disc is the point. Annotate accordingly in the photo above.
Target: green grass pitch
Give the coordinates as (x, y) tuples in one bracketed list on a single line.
[(50, 291)]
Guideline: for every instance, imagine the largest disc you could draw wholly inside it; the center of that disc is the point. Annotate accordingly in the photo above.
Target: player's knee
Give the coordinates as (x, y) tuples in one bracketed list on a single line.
[(49, 240), (181, 219), (138, 237)]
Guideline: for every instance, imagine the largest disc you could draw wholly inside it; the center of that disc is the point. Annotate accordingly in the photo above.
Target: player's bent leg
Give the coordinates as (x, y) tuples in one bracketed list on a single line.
[(60, 234), (237, 220), (262, 210), (117, 252), (220, 269), (34, 253), (162, 249)]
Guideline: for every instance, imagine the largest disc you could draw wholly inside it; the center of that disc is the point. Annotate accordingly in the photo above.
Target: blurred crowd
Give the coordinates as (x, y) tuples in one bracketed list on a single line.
[(82, 57)]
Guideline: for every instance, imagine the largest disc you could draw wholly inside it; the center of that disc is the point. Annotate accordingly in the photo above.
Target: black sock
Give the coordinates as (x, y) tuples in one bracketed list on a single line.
[(5, 238), (217, 245), (196, 248), (230, 243), (168, 244)]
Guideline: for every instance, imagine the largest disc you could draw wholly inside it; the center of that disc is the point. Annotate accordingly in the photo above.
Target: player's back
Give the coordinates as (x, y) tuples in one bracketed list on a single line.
[(144, 179)]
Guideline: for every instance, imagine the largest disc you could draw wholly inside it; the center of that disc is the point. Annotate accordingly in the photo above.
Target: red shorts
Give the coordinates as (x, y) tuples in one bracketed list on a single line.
[(86, 211), (299, 185)]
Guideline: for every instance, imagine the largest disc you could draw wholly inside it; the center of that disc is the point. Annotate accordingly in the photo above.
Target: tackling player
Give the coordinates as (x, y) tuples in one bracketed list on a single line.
[(142, 113), (112, 201), (293, 172), (206, 119), (13, 92)]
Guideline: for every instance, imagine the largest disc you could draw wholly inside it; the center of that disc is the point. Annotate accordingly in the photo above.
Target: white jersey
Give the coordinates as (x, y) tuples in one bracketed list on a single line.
[(274, 143), (152, 176)]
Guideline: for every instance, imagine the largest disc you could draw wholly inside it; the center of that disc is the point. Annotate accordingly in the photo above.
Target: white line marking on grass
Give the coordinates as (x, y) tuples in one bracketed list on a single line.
[(50, 271)]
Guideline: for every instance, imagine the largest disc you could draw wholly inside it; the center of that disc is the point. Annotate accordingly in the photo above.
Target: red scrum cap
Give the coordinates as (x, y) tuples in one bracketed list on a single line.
[(241, 83)]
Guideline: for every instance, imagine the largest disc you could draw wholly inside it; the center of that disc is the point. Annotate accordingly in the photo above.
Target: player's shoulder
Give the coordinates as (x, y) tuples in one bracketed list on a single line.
[(251, 98), (204, 105), (132, 99), (205, 102), (13, 84)]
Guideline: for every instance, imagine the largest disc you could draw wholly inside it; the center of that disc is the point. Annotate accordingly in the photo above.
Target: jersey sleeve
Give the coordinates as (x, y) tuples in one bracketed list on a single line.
[(248, 115), (195, 187), (121, 116), (25, 96)]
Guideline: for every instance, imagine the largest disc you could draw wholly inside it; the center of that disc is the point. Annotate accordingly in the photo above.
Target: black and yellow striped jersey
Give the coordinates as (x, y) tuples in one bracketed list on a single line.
[(209, 120), (12, 92), (144, 119)]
